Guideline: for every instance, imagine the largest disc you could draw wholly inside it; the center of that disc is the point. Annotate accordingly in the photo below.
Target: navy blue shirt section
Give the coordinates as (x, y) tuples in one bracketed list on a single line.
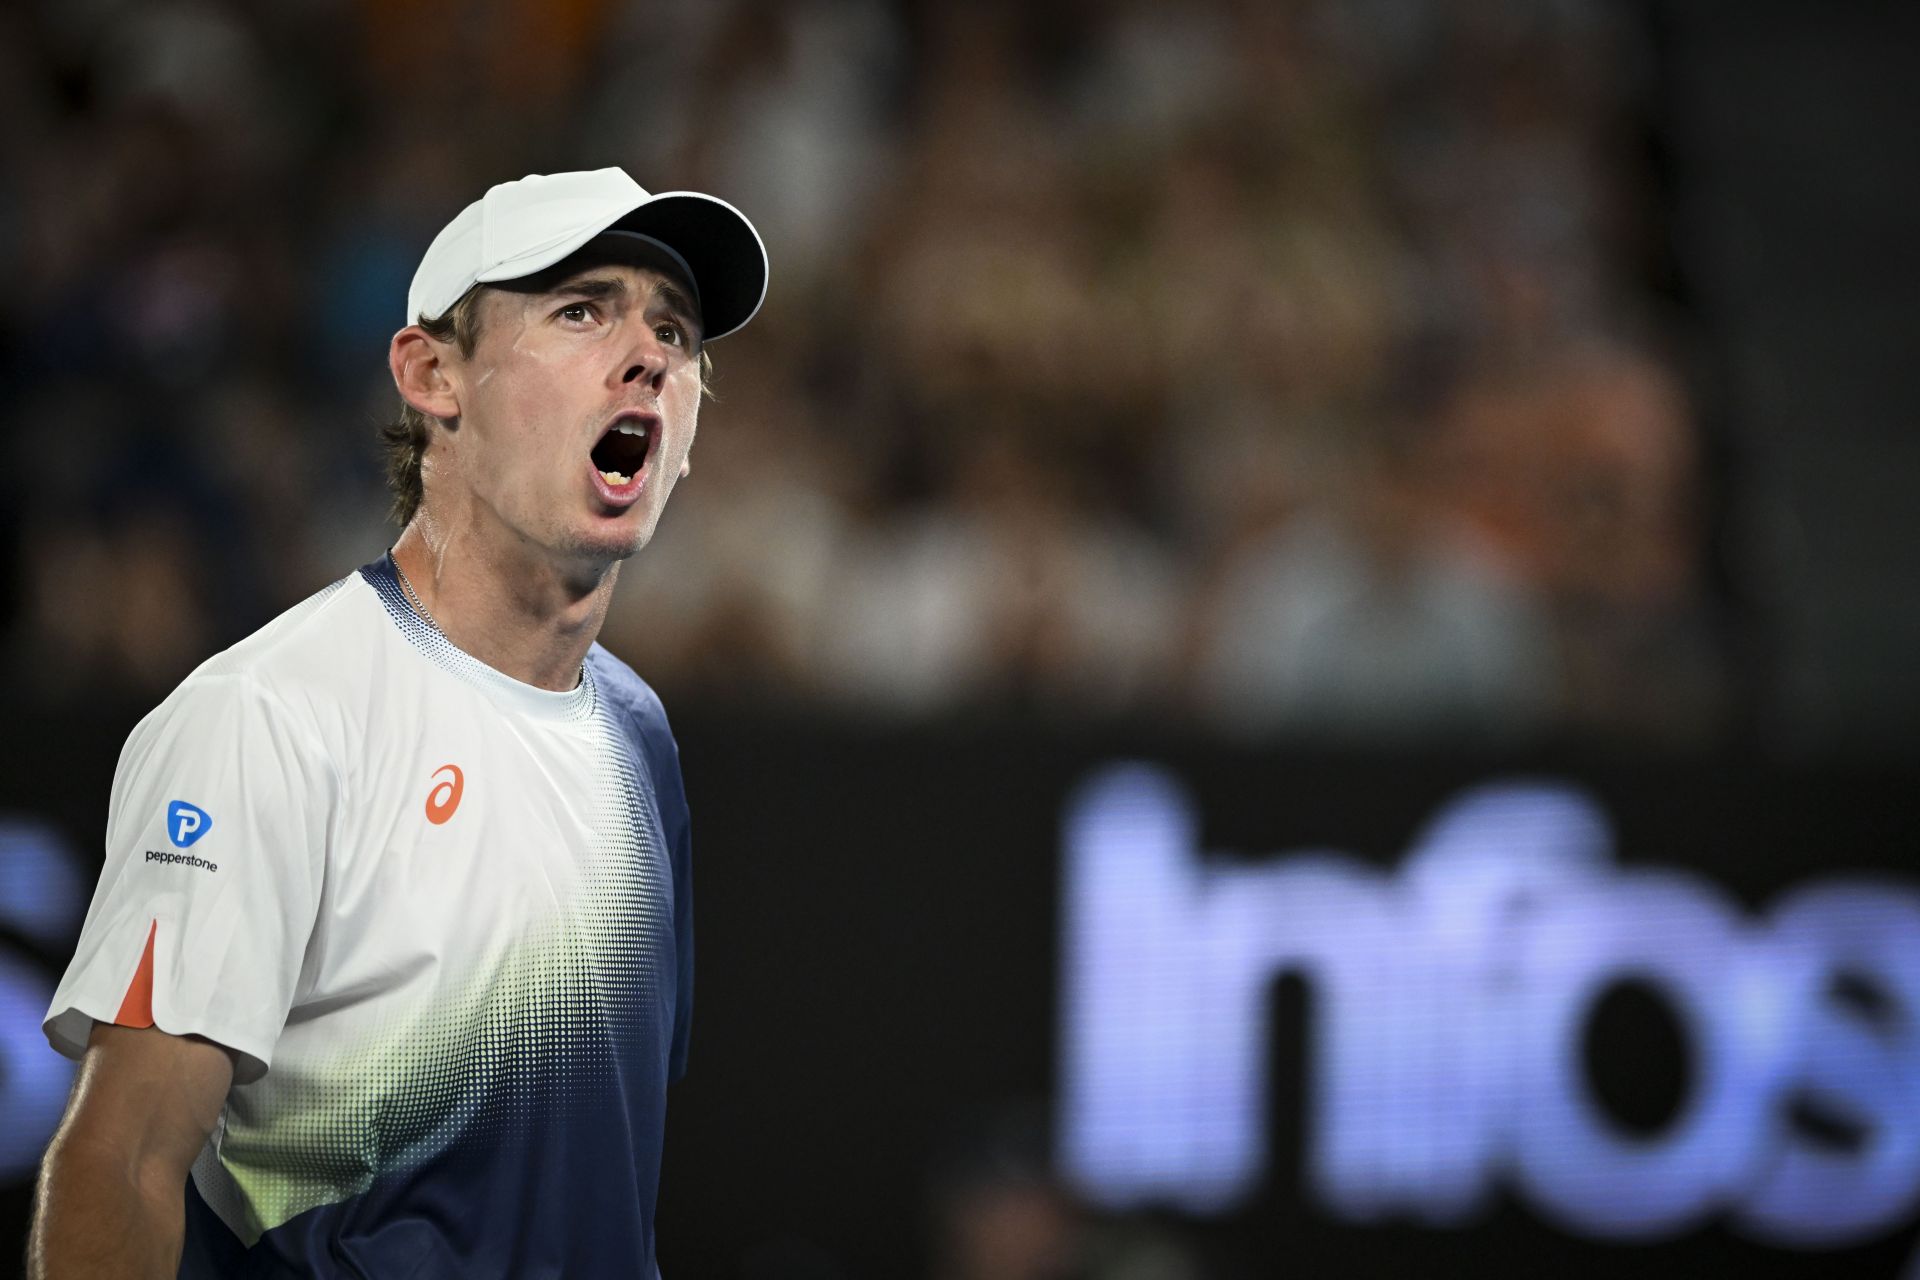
[(637, 709)]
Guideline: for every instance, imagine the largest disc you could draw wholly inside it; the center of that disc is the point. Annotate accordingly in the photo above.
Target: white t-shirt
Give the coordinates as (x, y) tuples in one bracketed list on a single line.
[(444, 920)]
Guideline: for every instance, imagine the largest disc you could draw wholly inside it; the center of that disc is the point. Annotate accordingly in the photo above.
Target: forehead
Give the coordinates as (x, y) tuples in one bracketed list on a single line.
[(578, 274), (609, 252)]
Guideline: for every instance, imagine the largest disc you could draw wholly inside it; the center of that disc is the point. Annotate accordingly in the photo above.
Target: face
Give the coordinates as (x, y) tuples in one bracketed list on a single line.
[(577, 410)]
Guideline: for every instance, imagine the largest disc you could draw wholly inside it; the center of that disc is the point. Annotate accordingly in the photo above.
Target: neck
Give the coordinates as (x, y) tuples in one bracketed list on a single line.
[(516, 610)]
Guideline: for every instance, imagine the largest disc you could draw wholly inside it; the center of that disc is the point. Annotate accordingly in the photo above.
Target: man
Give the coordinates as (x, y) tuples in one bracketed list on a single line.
[(389, 965)]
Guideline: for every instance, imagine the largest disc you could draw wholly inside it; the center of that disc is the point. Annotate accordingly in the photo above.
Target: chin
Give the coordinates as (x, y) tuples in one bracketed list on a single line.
[(612, 544)]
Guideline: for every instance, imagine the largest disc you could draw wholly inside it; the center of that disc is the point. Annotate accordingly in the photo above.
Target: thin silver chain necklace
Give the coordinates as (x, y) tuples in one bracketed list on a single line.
[(413, 599)]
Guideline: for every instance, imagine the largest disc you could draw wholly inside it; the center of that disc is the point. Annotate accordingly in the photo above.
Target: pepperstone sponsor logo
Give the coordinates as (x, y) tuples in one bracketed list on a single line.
[(186, 823), (181, 859)]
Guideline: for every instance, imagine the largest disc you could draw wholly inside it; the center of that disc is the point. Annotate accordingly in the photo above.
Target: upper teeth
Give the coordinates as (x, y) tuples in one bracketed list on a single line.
[(629, 429)]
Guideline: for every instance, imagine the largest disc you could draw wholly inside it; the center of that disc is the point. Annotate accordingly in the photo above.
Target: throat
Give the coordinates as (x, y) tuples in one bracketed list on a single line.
[(533, 622)]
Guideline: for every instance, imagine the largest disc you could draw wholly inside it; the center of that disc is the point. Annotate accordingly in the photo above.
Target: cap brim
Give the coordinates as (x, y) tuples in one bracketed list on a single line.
[(724, 252)]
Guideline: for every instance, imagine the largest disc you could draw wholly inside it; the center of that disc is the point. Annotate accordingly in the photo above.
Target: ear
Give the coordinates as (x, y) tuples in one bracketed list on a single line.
[(418, 364)]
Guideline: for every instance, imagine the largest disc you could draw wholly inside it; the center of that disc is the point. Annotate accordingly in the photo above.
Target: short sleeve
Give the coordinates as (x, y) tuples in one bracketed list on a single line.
[(216, 844)]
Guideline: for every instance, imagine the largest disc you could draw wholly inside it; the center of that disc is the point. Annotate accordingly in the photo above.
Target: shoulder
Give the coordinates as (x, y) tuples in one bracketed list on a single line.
[(637, 711), (623, 687), (290, 670), (625, 692), (304, 641)]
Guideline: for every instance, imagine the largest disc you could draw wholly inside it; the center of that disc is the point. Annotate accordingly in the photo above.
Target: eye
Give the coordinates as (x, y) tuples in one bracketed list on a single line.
[(576, 312), (669, 331)]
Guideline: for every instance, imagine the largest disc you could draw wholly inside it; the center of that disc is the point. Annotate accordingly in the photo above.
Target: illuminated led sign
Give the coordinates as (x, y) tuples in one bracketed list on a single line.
[(41, 898), (1449, 1005)]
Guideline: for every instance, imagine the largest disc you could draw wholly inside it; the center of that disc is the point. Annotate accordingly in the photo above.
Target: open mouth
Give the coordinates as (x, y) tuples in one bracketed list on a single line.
[(622, 451)]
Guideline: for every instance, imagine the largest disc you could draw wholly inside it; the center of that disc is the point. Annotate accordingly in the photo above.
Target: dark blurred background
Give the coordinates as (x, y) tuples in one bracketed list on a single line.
[(1389, 393)]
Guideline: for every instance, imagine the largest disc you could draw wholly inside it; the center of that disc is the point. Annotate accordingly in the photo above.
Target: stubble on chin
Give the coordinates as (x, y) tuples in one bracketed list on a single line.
[(614, 542), (603, 549)]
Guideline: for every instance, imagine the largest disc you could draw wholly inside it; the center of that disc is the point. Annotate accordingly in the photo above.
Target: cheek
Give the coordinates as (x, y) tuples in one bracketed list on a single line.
[(688, 432), (519, 410), (682, 405), (683, 387)]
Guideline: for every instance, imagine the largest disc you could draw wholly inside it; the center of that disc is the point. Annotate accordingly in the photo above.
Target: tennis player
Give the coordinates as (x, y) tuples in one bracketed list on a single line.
[(390, 964)]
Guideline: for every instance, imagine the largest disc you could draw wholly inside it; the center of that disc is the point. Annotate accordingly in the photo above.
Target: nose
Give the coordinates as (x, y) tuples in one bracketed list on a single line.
[(649, 362)]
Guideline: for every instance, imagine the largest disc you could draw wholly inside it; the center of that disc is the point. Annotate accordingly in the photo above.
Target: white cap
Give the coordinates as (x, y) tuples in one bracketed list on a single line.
[(519, 228)]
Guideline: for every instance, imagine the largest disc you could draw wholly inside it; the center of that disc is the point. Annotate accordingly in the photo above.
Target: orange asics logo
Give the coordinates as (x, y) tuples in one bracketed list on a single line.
[(445, 797)]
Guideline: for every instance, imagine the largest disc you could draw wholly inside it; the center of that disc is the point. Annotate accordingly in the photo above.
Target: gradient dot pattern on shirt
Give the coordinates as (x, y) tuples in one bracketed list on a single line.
[(546, 1029)]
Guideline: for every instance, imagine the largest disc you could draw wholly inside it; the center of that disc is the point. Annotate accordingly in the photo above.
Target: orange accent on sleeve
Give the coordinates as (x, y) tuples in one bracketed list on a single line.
[(137, 1009)]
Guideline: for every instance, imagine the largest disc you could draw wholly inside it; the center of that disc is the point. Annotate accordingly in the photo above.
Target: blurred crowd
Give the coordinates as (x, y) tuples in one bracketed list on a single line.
[(1278, 366)]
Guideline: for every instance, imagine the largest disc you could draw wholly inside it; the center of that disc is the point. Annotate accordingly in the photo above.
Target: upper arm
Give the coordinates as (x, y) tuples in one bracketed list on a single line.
[(216, 846), (146, 1100)]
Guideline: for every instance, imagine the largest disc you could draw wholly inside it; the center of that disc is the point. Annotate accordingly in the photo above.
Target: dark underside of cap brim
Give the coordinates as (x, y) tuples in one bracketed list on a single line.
[(729, 266)]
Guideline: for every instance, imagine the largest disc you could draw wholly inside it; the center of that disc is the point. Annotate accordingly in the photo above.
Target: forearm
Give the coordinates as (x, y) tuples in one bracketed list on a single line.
[(96, 1215)]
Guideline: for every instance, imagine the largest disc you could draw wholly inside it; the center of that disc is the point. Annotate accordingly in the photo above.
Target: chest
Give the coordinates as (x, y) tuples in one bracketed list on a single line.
[(470, 837)]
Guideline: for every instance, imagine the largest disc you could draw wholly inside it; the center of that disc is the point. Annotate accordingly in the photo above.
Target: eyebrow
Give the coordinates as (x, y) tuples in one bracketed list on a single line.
[(595, 288), (677, 301), (591, 287)]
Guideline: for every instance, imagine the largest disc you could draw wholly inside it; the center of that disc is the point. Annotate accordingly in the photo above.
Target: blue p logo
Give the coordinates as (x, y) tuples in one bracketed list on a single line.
[(186, 822)]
